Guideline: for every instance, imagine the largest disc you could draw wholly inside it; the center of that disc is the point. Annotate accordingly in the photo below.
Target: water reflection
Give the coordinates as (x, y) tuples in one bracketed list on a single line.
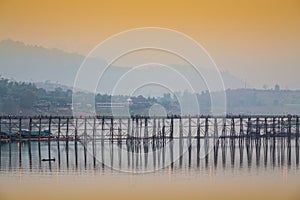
[(149, 155)]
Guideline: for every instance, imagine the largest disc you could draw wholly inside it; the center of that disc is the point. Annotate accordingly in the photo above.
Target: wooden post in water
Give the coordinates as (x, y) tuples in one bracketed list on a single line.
[(20, 145), (274, 126), (297, 126), (224, 128), (9, 147), (49, 138), (206, 127), (128, 128), (180, 142), (93, 142), (163, 130), (29, 142), (249, 125), (58, 140), (158, 128), (137, 127), (198, 129), (215, 130), (102, 140), (112, 129), (154, 128), (190, 133), (0, 140), (85, 141), (146, 131), (20, 129), (289, 126), (132, 128), (39, 139), (278, 125), (232, 128), (180, 129), (241, 128), (141, 126), (198, 141), (76, 130), (206, 140), (266, 127), (120, 131), (9, 129), (58, 129), (257, 127), (172, 128), (67, 141), (190, 142)]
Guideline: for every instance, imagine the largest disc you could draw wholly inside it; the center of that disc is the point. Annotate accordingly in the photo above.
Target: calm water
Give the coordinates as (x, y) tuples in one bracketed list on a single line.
[(176, 164)]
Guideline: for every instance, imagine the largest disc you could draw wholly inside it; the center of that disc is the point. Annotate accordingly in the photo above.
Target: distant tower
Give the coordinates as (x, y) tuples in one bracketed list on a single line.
[(277, 88)]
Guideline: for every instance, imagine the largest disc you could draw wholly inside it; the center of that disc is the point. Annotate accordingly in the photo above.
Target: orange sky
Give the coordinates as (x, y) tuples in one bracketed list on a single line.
[(239, 35)]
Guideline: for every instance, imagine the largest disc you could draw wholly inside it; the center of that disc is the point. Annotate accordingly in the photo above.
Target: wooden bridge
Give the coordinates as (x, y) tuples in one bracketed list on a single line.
[(148, 135), (118, 128)]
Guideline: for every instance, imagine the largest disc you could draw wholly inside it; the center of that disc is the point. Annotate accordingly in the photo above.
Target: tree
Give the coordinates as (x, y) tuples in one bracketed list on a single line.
[(27, 99)]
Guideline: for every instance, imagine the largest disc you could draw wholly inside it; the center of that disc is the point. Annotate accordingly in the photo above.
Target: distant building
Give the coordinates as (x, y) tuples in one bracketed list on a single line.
[(277, 88)]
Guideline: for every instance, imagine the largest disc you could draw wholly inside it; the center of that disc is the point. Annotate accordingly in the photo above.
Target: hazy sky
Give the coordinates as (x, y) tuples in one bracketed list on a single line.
[(258, 41)]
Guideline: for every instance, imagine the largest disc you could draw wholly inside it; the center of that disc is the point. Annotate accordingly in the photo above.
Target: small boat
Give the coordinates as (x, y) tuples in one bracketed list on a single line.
[(48, 159)]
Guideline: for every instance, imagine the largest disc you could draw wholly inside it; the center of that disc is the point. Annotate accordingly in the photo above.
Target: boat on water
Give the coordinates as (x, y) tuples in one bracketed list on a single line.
[(34, 134), (48, 159), (24, 133)]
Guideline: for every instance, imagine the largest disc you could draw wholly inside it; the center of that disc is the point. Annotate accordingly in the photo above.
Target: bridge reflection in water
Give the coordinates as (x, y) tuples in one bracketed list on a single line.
[(146, 156)]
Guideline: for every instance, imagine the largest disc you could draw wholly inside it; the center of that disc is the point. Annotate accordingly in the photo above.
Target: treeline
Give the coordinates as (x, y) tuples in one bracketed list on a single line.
[(25, 98), (19, 97)]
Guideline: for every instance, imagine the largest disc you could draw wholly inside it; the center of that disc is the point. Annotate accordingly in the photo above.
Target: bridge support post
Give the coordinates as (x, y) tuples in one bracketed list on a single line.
[(29, 143), (146, 131), (297, 126)]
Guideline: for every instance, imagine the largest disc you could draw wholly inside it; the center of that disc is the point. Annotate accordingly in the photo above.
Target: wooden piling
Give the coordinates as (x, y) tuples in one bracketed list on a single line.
[(154, 128), (206, 127), (274, 126), (120, 131), (128, 128), (137, 128), (93, 142), (249, 125), (224, 128), (39, 140), (0, 140), (163, 130), (266, 127), (289, 126), (9, 128), (232, 128), (257, 127), (58, 129), (198, 141), (241, 128), (190, 133), (85, 142), (20, 129), (180, 129), (29, 142), (19, 143), (158, 129), (172, 128), (112, 129), (49, 140), (58, 140), (146, 130), (297, 126)]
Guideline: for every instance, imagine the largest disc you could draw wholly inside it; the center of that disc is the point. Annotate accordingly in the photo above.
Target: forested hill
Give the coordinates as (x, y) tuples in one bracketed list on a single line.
[(18, 98)]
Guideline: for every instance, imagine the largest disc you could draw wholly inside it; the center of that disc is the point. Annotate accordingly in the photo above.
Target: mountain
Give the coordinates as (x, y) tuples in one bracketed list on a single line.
[(38, 64)]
